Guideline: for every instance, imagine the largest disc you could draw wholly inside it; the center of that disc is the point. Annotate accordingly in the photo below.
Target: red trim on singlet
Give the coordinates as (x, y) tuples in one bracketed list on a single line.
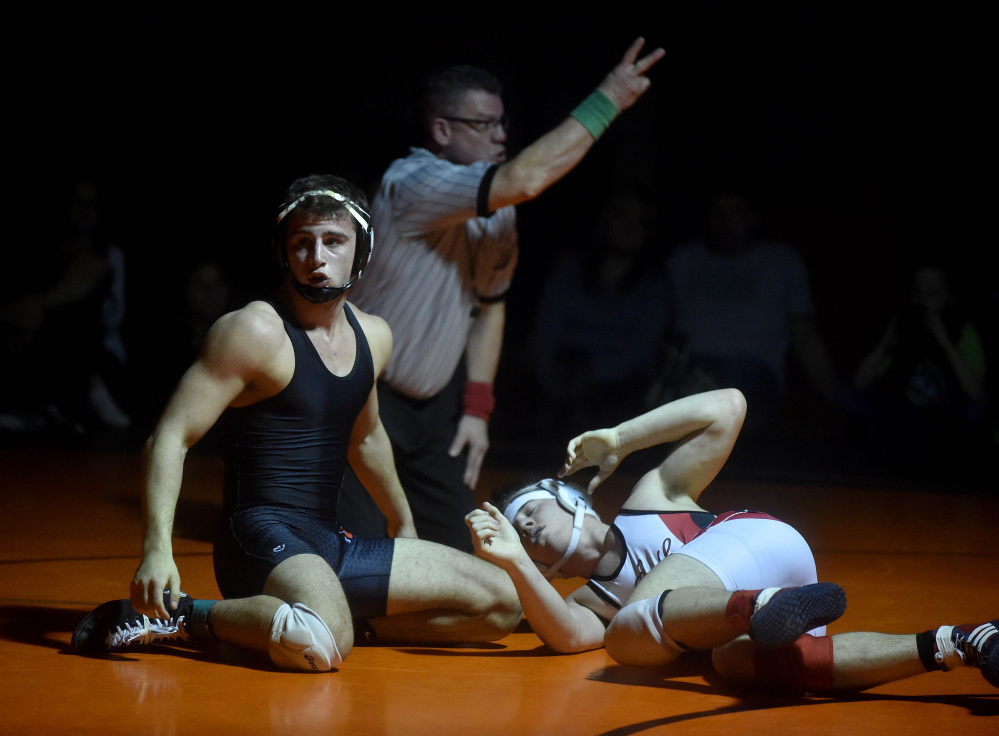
[(682, 525)]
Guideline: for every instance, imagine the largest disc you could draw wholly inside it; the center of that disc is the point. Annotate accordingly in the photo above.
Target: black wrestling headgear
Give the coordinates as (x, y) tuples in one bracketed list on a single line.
[(362, 251)]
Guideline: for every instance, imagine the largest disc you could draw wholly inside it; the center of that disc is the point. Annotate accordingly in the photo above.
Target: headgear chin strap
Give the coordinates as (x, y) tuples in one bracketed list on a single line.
[(321, 294), (570, 498), (577, 529), (362, 250)]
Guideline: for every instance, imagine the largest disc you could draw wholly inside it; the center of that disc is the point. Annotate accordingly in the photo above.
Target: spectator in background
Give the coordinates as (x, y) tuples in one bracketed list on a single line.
[(601, 320), (208, 295), (742, 307), (924, 381), (61, 336), (205, 291)]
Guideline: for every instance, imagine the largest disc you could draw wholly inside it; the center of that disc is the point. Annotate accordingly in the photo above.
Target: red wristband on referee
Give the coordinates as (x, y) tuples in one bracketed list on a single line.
[(478, 400)]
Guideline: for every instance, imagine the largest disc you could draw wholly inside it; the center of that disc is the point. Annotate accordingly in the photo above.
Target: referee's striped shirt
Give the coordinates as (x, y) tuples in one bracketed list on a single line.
[(434, 259)]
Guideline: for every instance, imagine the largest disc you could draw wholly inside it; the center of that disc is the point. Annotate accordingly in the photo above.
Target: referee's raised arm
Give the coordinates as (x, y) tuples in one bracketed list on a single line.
[(557, 152)]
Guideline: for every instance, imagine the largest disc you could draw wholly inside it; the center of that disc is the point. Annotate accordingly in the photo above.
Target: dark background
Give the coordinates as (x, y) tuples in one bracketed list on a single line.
[(864, 137)]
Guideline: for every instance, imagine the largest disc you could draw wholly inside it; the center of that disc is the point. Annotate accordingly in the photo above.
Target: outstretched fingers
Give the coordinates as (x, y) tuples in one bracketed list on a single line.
[(627, 81), (632, 52), (640, 66), (646, 63)]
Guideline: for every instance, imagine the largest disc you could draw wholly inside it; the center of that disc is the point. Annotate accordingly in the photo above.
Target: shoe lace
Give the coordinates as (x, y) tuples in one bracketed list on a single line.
[(949, 653), (146, 631)]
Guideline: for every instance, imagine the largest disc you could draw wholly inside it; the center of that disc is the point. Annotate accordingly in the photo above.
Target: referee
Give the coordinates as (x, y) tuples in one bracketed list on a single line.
[(447, 249)]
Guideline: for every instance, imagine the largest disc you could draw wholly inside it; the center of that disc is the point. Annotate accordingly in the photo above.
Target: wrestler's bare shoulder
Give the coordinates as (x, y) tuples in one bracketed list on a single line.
[(375, 328), (256, 329), (368, 320)]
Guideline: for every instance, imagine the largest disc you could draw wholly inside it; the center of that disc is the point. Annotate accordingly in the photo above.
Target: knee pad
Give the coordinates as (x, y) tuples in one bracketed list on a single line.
[(300, 640), (643, 619), (803, 667)]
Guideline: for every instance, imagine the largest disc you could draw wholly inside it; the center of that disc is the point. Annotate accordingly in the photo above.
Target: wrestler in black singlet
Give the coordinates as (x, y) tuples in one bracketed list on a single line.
[(291, 449), (285, 461)]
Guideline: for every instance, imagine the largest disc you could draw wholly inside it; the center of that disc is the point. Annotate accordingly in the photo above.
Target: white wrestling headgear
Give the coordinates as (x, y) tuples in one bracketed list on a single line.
[(571, 497), (362, 250)]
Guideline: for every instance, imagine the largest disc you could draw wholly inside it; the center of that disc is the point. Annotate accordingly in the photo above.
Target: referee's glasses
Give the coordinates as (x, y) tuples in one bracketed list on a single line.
[(482, 126)]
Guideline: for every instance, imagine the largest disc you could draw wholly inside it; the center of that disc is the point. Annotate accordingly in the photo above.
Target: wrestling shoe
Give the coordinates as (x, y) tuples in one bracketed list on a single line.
[(783, 614), (115, 626), (973, 645)]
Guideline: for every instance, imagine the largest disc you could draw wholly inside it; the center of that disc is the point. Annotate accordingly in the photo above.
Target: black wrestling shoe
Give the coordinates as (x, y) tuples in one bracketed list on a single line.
[(115, 626), (784, 614), (989, 663)]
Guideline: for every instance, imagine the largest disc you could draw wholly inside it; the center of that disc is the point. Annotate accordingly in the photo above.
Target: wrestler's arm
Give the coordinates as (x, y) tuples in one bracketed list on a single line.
[(482, 354), (563, 624), (702, 429), (557, 152), (239, 350), (370, 452)]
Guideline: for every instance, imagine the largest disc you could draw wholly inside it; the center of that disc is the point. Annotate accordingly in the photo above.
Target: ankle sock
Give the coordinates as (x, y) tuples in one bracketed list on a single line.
[(198, 625), (740, 607)]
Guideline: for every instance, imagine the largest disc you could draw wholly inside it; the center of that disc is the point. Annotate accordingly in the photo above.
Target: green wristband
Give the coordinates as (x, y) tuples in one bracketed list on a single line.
[(596, 113)]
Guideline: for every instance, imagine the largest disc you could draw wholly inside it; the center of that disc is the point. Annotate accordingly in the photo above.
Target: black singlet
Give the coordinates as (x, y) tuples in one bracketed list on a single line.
[(291, 449)]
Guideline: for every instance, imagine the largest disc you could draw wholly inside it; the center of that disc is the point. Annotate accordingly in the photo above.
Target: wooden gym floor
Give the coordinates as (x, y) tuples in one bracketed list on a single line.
[(69, 539)]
